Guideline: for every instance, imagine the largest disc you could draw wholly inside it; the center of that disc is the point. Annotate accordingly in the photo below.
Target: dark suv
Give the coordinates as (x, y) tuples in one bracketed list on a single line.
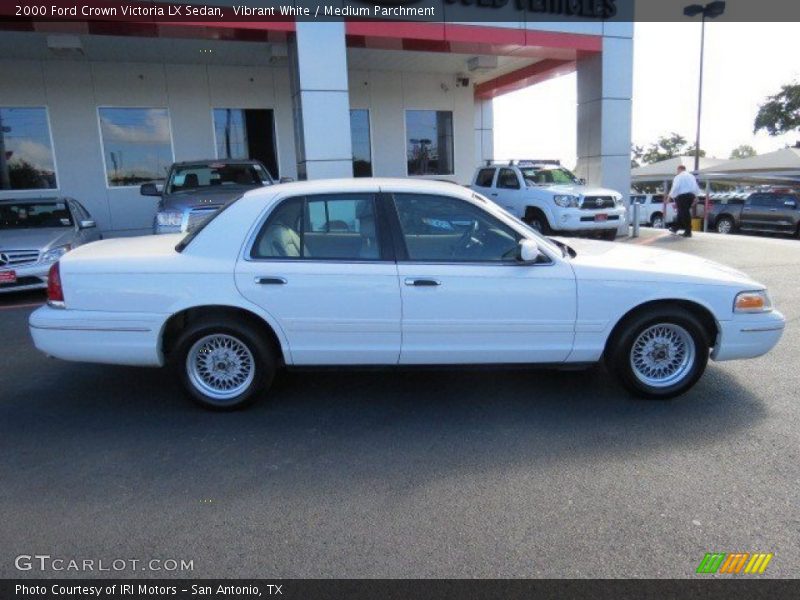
[(197, 189), (765, 212)]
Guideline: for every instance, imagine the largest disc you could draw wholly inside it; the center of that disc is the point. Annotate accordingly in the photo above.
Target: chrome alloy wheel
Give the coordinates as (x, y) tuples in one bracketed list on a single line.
[(724, 226), (220, 366), (662, 355)]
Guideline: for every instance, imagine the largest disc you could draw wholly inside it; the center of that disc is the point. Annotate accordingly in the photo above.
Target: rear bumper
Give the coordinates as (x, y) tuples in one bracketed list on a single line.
[(29, 277), (98, 336), (748, 336)]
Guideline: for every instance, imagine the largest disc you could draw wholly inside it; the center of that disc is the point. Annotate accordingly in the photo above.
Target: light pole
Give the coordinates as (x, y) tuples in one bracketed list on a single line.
[(710, 11)]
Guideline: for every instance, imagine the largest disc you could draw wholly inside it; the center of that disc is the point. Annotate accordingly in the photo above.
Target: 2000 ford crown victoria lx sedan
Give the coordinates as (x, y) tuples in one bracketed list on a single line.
[(392, 272)]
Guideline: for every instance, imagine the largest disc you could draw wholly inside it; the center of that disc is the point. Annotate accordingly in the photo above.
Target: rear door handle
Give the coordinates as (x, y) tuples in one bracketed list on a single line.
[(493, 194), (271, 280), (422, 282)]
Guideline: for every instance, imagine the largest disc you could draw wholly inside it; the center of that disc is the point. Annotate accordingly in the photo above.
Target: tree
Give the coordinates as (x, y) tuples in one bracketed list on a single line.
[(667, 146), (636, 156), (743, 151), (781, 112)]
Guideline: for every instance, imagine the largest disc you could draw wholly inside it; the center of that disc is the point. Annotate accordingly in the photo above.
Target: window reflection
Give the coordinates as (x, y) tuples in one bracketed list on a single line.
[(429, 146), (26, 151), (359, 134), (137, 144)]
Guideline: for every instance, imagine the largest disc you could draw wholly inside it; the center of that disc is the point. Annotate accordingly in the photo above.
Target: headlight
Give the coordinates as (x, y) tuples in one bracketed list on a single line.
[(54, 254), (618, 201), (169, 219), (752, 302), (566, 201)]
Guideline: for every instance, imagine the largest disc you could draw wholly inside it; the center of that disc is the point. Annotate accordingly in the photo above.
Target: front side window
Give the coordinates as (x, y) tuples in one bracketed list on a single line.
[(26, 150), (137, 145), (507, 179), (246, 133), (34, 215), (359, 135), (444, 229), (325, 227), (485, 178), (768, 200), (429, 142), (216, 176)]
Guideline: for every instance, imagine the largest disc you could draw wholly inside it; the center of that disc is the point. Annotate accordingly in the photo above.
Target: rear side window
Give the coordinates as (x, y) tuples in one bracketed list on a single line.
[(484, 178), (325, 227)]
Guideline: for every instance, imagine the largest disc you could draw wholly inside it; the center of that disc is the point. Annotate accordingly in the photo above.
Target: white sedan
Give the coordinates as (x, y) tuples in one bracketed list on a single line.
[(393, 272)]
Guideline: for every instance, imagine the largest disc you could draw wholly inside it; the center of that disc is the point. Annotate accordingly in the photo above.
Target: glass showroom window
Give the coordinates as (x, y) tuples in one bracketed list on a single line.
[(246, 133), (26, 150), (137, 144), (429, 142), (362, 151)]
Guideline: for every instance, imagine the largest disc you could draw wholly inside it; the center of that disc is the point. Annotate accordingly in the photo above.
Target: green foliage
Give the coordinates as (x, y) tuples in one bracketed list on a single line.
[(781, 112), (667, 146), (743, 151)]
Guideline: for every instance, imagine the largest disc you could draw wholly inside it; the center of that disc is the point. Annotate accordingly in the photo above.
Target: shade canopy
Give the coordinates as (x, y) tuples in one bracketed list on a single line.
[(666, 169), (781, 166)]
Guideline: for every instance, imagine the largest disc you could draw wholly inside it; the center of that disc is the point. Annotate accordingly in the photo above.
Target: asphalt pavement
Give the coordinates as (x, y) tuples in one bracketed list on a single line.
[(519, 473)]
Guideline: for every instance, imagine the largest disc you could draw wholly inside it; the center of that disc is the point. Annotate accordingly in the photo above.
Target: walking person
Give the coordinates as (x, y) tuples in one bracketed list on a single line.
[(684, 192)]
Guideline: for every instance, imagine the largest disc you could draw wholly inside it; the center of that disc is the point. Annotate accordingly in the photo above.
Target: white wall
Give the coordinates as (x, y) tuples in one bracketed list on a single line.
[(73, 90), (388, 94)]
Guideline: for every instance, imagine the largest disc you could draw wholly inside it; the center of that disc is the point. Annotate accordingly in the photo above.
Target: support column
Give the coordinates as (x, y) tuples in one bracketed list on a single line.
[(484, 131), (605, 87), (321, 101)]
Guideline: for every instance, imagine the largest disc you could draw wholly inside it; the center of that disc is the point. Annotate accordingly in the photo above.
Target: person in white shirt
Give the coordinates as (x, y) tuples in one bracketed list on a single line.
[(684, 192)]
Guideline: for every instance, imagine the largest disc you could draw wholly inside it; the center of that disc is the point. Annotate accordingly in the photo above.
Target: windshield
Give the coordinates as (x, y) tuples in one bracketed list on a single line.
[(546, 175), (34, 215), (216, 176)]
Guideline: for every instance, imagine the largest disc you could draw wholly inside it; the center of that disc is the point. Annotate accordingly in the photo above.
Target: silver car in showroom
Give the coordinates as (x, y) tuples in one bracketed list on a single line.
[(35, 233)]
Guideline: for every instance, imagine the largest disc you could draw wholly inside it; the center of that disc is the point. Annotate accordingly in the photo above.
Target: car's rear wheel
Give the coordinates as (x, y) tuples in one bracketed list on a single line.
[(660, 353), (224, 365), (724, 225)]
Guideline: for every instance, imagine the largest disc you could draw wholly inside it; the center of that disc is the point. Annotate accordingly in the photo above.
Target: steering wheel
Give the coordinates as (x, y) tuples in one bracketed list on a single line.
[(468, 239)]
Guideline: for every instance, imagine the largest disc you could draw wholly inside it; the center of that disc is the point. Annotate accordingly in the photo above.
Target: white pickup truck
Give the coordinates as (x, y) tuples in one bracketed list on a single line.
[(550, 198)]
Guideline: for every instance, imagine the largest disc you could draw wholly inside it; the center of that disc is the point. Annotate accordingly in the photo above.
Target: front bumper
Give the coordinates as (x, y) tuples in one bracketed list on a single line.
[(29, 277), (748, 335), (98, 336), (576, 219)]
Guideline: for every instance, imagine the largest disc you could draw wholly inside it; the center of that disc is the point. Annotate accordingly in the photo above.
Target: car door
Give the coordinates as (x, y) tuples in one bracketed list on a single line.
[(466, 299), (508, 191), (320, 266), (787, 213), (761, 212)]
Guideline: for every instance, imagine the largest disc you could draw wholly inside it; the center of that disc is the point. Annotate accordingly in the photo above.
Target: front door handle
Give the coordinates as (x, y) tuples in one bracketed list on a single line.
[(271, 280), (494, 193), (422, 282)]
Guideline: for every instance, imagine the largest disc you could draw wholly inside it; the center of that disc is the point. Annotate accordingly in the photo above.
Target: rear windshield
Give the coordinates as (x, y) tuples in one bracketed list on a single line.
[(34, 215), (216, 175)]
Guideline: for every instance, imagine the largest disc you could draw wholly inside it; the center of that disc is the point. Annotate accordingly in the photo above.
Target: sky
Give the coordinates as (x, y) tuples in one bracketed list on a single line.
[(744, 63)]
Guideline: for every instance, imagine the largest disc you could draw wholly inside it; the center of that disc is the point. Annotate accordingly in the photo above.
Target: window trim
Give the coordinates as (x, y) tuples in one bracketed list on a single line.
[(383, 230), (274, 137), (98, 108), (46, 108), (405, 142)]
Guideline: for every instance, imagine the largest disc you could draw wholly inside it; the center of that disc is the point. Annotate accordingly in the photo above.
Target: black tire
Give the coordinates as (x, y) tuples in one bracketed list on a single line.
[(619, 351), (537, 220), (725, 225), (657, 221), (262, 360), (609, 235)]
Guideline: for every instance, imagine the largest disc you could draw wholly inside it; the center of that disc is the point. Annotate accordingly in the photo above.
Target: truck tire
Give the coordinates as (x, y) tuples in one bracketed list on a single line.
[(725, 225), (536, 219)]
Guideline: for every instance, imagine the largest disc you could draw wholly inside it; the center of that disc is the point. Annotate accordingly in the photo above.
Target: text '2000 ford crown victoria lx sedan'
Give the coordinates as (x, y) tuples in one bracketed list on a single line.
[(392, 272)]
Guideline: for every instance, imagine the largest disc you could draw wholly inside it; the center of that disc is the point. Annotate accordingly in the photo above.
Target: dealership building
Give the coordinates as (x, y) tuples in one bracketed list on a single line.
[(91, 109)]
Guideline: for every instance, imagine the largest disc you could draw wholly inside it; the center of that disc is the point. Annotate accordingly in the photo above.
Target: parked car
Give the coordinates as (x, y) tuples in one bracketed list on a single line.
[(765, 212), (550, 198), (34, 234), (197, 189), (651, 209), (393, 272)]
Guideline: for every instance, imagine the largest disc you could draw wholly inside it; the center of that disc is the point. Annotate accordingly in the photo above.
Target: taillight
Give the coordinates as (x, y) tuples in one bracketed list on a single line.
[(55, 293)]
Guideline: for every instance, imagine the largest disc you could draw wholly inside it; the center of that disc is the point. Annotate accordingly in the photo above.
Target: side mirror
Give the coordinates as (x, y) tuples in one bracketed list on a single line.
[(149, 189), (87, 224), (286, 179), (582, 181), (529, 252)]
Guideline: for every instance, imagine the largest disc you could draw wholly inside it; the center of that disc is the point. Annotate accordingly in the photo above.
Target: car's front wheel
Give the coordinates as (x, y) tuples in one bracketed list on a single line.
[(609, 235), (657, 221), (224, 365), (659, 353), (724, 225)]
